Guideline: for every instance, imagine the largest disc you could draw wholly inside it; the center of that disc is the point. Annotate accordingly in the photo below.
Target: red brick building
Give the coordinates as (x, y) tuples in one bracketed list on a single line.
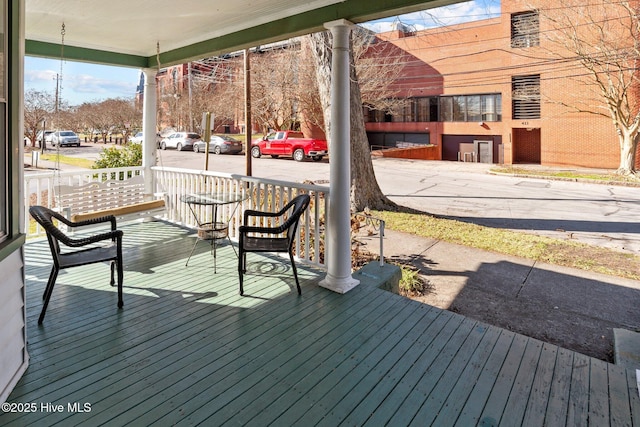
[(492, 91)]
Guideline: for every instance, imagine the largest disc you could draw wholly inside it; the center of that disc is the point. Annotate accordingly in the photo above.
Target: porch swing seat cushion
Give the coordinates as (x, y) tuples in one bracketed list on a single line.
[(124, 199)]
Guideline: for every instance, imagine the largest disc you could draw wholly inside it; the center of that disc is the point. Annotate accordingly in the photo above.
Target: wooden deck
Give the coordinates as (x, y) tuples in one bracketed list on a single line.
[(187, 349)]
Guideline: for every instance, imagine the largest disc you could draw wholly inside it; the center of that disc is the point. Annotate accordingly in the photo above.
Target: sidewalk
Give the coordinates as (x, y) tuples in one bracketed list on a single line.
[(571, 308)]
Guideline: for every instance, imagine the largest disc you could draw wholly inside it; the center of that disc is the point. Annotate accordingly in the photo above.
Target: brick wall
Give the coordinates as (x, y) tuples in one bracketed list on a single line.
[(477, 58)]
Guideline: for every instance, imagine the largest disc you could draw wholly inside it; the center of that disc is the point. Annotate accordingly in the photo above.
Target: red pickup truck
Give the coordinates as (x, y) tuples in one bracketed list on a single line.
[(289, 143)]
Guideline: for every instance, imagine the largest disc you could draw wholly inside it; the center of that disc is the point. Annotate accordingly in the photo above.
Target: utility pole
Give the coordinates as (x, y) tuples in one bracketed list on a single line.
[(247, 111), (191, 127)]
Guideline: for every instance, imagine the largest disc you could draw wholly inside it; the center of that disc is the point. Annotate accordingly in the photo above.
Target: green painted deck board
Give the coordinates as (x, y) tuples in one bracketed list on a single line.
[(578, 406), (619, 397), (541, 387), (523, 384), (232, 393), (599, 393), (429, 344), (187, 349), (381, 355), (469, 376), (494, 409), (558, 405), (440, 391), (634, 397), (389, 373), (429, 377)]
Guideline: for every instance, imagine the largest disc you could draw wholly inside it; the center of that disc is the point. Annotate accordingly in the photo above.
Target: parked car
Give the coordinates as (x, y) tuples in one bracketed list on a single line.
[(289, 143), (47, 136), (137, 138), (65, 137), (180, 141), (219, 145)]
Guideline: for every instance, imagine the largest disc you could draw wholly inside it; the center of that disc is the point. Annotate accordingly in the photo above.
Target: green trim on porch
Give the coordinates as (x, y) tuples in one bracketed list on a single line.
[(74, 53), (356, 11)]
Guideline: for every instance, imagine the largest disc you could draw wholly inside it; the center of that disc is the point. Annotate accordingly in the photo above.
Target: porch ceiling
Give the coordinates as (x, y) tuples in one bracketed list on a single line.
[(127, 33)]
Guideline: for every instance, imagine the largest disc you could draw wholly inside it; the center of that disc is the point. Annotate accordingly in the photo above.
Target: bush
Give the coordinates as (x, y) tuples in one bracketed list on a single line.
[(411, 284), (112, 157)]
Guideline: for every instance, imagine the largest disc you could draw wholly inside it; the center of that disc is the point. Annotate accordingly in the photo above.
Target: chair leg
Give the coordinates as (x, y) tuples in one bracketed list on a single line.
[(113, 268), (295, 273), (241, 271), (120, 265), (47, 293), (120, 280), (49, 282)]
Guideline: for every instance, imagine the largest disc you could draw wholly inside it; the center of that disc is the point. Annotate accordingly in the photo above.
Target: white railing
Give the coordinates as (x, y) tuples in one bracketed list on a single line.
[(173, 183), (40, 188), (260, 194)]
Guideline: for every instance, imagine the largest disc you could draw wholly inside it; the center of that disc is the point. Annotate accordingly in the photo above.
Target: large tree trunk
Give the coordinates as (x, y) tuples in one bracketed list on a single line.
[(628, 148), (365, 191)]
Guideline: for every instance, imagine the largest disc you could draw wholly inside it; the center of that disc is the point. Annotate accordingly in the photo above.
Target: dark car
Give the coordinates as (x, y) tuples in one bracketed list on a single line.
[(219, 145)]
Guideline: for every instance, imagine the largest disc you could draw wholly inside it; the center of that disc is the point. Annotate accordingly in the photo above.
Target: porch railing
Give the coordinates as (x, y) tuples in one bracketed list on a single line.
[(173, 183)]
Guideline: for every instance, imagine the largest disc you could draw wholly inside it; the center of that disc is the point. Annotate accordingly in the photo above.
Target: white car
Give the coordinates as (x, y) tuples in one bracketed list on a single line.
[(47, 136), (65, 137), (180, 141), (137, 138)]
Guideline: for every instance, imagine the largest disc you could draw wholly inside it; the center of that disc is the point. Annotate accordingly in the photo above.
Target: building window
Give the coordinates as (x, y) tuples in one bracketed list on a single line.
[(491, 108), (525, 30), (526, 97), (446, 109), (471, 108), (459, 108), (422, 109)]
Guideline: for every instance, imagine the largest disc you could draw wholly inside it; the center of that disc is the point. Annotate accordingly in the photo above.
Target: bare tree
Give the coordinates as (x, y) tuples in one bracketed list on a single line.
[(365, 191), (274, 85), (216, 90), (604, 38), (124, 115), (378, 66), (38, 107), (97, 117)]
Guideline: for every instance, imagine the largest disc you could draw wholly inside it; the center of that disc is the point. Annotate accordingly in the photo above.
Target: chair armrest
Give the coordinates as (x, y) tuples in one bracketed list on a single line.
[(69, 223), (92, 221), (266, 230), (74, 243), (251, 213)]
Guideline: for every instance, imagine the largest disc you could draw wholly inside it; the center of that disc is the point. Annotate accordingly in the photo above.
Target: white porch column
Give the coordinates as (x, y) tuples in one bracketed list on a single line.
[(338, 251), (149, 125)]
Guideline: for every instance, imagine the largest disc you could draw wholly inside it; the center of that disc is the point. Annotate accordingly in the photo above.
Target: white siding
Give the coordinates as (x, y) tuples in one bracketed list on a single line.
[(13, 351)]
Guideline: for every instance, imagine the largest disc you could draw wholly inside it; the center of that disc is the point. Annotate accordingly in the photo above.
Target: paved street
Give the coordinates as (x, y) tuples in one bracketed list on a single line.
[(598, 214)]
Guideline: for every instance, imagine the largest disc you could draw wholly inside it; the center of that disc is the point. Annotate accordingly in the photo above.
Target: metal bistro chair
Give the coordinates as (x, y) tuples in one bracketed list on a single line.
[(111, 252), (278, 238)]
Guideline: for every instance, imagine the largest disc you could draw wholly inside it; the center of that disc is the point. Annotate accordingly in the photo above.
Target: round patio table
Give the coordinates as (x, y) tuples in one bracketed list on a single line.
[(215, 228)]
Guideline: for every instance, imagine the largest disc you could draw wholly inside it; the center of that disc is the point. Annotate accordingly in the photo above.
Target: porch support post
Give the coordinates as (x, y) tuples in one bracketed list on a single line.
[(338, 242), (149, 126)]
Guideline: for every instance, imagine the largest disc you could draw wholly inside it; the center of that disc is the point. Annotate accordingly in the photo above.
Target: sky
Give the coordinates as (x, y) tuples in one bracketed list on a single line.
[(83, 82)]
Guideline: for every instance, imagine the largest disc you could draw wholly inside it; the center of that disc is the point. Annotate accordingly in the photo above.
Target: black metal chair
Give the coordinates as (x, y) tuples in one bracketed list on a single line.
[(278, 238), (110, 252)]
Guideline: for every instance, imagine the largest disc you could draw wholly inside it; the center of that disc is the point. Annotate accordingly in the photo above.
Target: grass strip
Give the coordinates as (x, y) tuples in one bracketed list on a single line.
[(540, 248)]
